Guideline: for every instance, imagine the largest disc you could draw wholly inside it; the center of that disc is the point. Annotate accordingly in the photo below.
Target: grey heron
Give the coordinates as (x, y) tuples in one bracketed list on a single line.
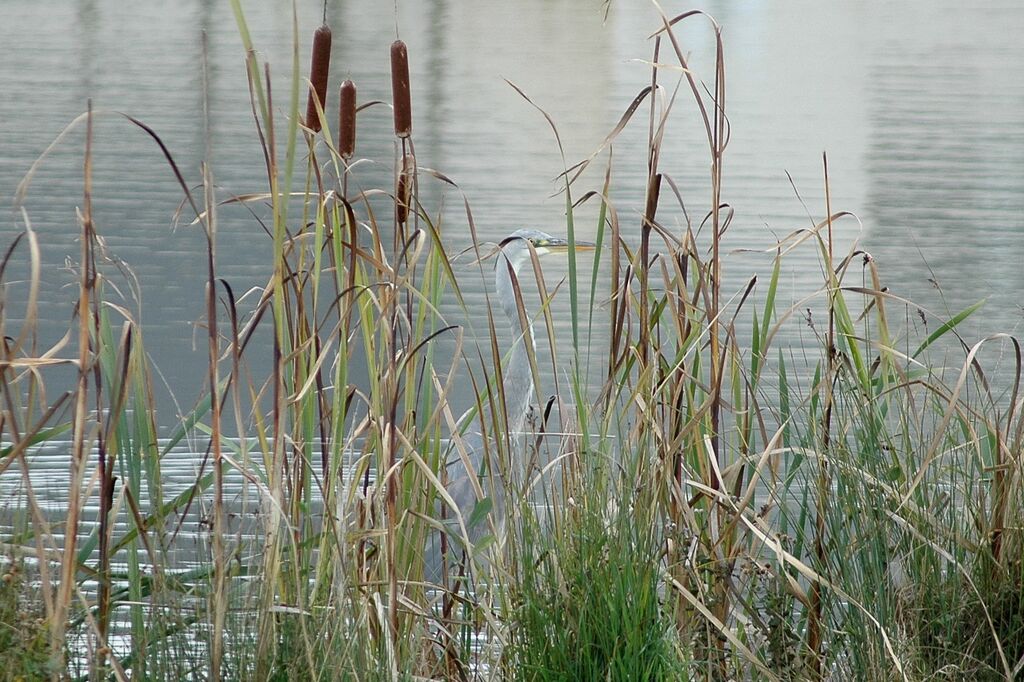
[(467, 458)]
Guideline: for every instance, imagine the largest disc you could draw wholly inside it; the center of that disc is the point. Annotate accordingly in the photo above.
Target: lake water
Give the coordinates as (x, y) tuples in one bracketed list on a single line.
[(918, 105)]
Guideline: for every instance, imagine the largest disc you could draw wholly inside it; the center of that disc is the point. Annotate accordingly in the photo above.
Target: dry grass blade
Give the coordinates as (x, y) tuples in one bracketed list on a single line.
[(581, 166), (83, 428), (28, 326)]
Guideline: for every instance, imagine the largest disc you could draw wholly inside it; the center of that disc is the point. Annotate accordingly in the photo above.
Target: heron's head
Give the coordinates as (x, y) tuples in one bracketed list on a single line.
[(516, 246)]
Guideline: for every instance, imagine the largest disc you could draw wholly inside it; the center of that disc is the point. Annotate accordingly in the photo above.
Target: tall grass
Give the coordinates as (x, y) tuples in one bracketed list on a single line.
[(720, 507)]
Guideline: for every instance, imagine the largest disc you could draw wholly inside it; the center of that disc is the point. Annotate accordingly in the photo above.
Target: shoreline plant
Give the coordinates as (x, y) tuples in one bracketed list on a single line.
[(720, 507)]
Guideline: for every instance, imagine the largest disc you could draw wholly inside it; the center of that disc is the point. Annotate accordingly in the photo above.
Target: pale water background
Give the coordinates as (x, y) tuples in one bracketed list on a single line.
[(920, 106)]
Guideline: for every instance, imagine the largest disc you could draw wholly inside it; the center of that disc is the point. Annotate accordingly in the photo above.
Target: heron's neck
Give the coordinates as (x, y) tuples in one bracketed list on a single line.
[(517, 377)]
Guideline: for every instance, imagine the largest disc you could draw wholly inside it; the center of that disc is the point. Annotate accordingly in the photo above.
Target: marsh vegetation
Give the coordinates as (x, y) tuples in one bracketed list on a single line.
[(718, 506)]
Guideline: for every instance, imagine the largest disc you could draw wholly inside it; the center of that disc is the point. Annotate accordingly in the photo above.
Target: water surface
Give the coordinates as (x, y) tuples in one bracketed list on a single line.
[(916, 103)]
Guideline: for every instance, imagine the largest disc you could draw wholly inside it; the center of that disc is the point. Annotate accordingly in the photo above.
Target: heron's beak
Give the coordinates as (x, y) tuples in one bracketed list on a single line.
[(561, 245)]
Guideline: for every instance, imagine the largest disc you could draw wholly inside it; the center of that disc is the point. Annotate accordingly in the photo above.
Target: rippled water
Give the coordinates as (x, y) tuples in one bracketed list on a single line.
[(917, 104), (180, 470)]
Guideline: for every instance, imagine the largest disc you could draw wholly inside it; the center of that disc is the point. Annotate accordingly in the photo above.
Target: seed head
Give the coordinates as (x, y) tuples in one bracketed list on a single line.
[(347, 120), (400, 89), (318, 70)]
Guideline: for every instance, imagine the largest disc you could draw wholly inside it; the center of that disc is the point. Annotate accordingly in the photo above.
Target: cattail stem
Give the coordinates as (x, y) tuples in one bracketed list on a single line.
[(318, 71)]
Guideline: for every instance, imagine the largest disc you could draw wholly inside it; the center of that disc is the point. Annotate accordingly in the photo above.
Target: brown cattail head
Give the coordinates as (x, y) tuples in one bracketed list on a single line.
[(400, 89), (318, 71), (347, 120)]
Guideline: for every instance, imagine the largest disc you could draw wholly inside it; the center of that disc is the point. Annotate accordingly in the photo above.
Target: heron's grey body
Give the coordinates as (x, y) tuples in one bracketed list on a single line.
[(517, 384)]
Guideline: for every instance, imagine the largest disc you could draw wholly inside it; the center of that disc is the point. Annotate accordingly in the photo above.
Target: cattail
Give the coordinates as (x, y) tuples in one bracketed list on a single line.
[(347, 120), (400, 89), (653, 190), (406, 179), (318, 71)]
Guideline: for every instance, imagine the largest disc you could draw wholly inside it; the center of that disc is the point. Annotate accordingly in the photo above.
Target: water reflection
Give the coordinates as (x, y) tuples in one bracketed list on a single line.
[(920, 119)]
